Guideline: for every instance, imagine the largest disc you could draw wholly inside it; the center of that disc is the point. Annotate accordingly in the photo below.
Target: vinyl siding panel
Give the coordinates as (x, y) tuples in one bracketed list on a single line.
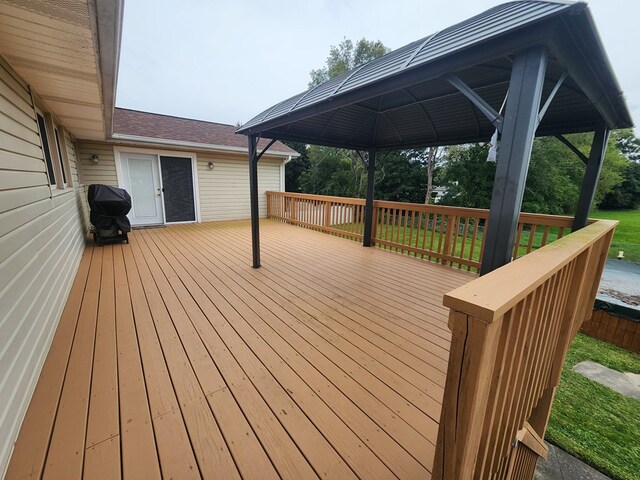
[(104, 171), (224, 191), (41, 241), (71, 154)]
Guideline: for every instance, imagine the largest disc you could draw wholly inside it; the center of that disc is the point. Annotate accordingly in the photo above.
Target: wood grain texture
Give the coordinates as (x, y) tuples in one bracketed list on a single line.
[(619, 331), (442, 234), (505, 363), (188, 363)]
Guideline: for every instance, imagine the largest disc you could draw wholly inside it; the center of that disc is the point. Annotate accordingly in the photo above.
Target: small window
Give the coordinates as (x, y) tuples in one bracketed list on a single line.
[(60, 157), (45, 148)]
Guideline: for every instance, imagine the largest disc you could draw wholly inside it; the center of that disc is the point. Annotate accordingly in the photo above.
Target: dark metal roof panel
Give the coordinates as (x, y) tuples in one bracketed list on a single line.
[(402, 100), (496, 21)]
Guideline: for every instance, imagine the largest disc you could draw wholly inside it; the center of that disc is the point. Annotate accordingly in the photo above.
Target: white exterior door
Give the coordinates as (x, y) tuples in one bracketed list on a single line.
[(142, 180)]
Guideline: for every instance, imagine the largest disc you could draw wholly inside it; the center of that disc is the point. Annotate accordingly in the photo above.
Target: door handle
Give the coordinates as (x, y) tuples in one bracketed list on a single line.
[(158, 192)]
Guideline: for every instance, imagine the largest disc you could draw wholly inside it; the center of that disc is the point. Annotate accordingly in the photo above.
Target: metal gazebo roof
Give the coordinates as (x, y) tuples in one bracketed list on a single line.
[(407, 98), (449, 88)]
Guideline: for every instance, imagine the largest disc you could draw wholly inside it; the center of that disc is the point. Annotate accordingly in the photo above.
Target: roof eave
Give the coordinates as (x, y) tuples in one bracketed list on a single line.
[(164, 142), (589, 66), (108, 27)]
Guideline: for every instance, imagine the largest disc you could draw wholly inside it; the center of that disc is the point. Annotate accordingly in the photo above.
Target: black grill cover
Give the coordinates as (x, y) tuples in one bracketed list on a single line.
[(108, 205)]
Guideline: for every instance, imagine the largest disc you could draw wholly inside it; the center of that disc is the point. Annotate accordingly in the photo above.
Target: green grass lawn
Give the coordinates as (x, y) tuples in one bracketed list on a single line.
[(592, 422), (627, 234), (626, 237), (417, 239)]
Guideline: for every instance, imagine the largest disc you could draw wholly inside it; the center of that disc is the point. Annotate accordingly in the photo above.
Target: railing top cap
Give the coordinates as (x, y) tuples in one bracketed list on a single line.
[(491, 296)]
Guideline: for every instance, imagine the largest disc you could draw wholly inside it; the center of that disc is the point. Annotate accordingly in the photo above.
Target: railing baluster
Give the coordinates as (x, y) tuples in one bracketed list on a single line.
[(532, 234), (510, 329), (432, 233), (537, 304), (397, 227), (516, 245), (424, 232), (474, 235), (411, 219), (450, 235), (545, 234), (464, 239), (560, 233)]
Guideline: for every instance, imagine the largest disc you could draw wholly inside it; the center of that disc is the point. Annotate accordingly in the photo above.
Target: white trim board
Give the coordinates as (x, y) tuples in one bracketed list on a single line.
[(203, 146)]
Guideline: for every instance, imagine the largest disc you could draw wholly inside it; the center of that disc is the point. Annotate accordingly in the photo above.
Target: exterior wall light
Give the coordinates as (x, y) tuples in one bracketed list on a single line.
[(210, 165), (94, 158)]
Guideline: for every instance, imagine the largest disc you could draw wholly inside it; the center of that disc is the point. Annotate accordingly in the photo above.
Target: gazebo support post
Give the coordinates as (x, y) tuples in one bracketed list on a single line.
[(591, 176), (368, 206), (518, 131), (253, 191)]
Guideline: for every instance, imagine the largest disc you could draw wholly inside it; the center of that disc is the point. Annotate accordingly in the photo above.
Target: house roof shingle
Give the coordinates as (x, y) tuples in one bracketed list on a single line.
[(166, 127)]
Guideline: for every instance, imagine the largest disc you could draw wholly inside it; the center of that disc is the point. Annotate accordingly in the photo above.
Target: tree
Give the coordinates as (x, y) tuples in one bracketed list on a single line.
[(428, 157), (553, 181), (627, 143), (468, 176), (345, 57), (327, 172), (332, 171), (626, 195), (295, 167), (400, 177)]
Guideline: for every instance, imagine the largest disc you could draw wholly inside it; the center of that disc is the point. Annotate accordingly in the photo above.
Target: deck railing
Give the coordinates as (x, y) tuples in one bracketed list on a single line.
[(510, 333), (449, 235), (511, 328)]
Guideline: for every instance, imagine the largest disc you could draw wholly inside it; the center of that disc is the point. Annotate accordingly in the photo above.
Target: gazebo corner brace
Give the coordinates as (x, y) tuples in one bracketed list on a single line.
[(487, 110), (591, 176), (550, 98)]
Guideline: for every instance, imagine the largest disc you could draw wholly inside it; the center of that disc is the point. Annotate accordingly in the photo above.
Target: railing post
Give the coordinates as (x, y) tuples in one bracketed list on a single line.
[(327, 214), (449, 235), (540, 416), (293, 210), (374, 228), (471, 362), (268, 205)]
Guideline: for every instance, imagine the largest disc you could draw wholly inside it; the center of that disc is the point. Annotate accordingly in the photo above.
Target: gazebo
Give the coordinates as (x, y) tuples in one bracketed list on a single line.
[(543, 61)]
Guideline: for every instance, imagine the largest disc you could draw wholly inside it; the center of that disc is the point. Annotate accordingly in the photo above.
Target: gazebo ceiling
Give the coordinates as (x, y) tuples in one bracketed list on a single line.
[(403, 99)]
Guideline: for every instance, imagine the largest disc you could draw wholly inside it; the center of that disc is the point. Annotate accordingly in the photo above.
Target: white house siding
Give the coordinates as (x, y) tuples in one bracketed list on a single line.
[(41, 241), (102, 172), (77, 181), (224, 190)]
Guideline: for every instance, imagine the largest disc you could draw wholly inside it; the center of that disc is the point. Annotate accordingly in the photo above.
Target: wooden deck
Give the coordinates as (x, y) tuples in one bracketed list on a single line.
[(175, 359)]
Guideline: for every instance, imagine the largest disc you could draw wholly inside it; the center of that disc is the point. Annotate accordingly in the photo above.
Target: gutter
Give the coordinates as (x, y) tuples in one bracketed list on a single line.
[(107, 18), (202, 146)]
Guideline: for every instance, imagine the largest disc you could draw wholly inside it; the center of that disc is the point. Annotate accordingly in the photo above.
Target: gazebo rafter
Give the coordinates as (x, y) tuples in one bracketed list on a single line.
[(532, 49)]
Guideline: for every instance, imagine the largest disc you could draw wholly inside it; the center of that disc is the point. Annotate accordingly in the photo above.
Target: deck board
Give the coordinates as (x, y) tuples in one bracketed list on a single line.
[(175, 359), (138, 445)]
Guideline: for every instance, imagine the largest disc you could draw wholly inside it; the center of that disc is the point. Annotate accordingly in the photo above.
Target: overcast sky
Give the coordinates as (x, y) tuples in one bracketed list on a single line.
[(226, 61)]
